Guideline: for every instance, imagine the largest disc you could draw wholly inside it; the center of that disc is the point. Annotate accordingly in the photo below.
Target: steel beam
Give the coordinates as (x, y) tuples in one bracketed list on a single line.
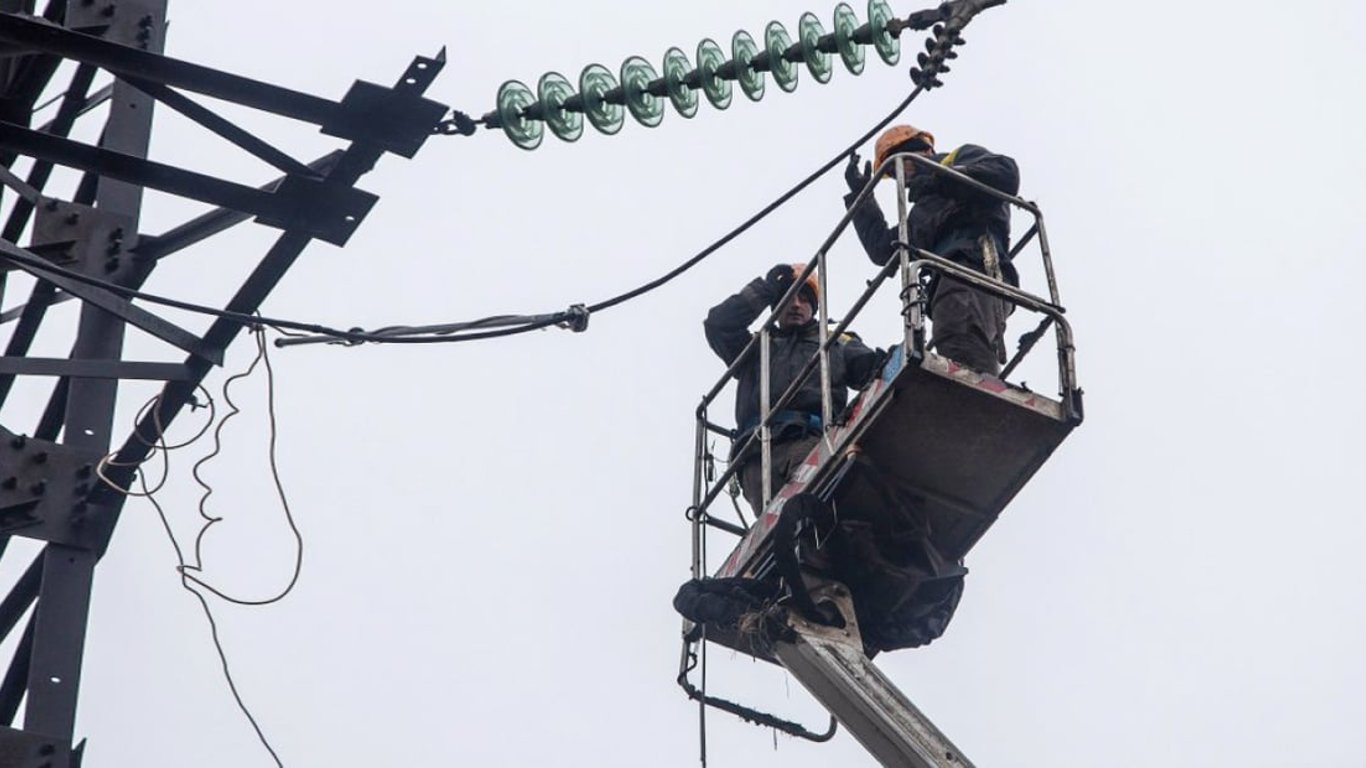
[(54, 415), (93, 369), (221, 126), (59, 622), (62, 612), (26, 750), (30, 320), (12, 686), (25, 191), (215, 221), (60, 126), (176, 239), (368, 112), (37, 35), (41, 171), (19, 599), (115, 305), (88, 103), (331, 212), (15, 313)]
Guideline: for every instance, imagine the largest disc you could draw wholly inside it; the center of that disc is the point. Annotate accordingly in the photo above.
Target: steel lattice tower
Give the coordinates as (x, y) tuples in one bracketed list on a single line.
[(89, 248)]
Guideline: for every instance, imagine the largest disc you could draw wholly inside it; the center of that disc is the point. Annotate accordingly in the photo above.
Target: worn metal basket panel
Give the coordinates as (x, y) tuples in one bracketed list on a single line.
[(957, 446), (954, 444)]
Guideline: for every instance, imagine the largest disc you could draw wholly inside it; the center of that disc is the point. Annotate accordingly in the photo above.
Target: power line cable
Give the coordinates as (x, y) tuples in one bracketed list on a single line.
[(40, 265), (763, 212), (575, 317), (723, 241), (710, 249)]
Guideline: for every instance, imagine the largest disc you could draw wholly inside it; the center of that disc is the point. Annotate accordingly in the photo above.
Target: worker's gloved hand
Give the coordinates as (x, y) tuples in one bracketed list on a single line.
[(778, 280), (857, 179)]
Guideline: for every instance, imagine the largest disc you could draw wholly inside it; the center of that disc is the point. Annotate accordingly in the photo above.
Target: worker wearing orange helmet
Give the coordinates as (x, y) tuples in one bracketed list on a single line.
[(795, 339), (950, 219)]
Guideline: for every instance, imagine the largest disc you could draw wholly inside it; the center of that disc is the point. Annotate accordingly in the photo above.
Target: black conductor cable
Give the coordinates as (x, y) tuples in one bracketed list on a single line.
[(575, 317)]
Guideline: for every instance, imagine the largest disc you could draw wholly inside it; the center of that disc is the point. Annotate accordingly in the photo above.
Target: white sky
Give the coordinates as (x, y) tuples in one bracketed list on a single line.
[(494, 531)]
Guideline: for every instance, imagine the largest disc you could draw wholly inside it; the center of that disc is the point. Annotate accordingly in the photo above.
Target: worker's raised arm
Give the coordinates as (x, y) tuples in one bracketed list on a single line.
[(727, 324), (871, 227), (869, 223)]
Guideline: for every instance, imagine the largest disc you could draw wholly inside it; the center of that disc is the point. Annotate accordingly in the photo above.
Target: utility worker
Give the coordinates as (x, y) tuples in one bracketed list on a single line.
[(796, 339), (952, 220)]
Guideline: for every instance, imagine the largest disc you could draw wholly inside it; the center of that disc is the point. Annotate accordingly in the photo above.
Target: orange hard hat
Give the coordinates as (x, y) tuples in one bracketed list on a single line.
[(894, 137), (811, 282)]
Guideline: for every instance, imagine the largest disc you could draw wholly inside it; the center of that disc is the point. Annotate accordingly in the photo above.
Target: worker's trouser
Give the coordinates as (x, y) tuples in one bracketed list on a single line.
[(787, 456), (969, 325)]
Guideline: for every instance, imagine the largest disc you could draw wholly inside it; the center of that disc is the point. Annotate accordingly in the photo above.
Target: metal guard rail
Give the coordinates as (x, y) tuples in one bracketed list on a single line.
[(912, 309)]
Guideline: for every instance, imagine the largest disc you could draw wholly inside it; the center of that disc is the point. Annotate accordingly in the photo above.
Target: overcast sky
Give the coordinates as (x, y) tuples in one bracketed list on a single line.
[(494, 530)]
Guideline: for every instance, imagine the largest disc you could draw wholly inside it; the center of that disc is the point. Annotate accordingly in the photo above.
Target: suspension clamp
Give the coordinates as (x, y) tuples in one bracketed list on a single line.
[(458, 123), (576, 318)]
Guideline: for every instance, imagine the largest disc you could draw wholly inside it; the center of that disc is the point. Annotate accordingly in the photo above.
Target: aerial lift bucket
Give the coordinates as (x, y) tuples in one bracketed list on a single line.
[(931, 446)]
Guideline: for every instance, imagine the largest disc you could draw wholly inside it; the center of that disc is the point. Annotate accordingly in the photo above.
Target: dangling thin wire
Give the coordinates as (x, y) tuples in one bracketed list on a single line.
[(190, 571)]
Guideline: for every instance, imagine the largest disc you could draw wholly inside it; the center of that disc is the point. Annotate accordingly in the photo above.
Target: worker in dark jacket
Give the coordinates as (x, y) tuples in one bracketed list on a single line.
[(953, 220), (796, 339)]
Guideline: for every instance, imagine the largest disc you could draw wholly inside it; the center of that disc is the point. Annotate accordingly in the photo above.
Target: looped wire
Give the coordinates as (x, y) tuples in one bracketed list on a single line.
[(158, 444)]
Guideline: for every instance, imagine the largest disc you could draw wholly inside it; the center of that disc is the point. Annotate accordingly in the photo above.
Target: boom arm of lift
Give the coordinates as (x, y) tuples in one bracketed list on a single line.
[(831, 665)]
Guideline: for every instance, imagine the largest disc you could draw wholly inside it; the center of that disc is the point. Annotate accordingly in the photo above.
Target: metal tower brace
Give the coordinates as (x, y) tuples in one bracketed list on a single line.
[(46, 487)]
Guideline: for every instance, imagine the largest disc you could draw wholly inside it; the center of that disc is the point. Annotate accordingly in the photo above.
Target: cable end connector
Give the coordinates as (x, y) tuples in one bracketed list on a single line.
[(458, 123), (576, 318)]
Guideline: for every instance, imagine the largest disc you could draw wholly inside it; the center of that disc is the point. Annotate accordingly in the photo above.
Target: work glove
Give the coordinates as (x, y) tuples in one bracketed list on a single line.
[(778, 280), (855, 178)]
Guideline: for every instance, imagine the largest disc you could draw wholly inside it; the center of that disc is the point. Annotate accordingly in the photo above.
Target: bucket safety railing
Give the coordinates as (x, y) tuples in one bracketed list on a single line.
[(913, 269), (915, 265)]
